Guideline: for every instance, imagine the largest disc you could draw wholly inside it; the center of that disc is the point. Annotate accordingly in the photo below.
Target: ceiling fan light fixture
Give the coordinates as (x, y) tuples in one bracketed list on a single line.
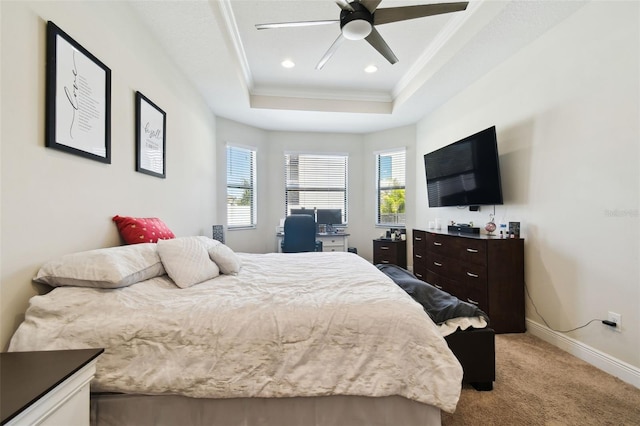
[(356, 29)]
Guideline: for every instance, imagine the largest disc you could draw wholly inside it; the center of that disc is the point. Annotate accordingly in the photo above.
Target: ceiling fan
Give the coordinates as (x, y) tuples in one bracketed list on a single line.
[(358, 19)]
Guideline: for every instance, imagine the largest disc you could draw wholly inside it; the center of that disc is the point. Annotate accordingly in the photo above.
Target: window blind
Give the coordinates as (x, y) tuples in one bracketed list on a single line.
[(316, 181), (391, 177), (241, 187)]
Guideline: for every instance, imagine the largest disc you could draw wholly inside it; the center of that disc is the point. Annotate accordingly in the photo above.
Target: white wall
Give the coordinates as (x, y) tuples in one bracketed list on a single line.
[(54, 203), (402, 137), (271, 147), (567, 112), (262, 238)]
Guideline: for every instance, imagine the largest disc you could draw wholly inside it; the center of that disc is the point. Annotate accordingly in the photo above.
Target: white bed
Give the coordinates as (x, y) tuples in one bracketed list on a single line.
[(308, 338)]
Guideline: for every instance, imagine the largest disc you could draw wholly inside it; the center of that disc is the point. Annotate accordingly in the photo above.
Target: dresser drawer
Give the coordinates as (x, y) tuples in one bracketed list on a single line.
[(442, 265), (441, 283), (420, 272), (419, 241), (472, 276), (475, 296), (385, 249), (442, 244), (473, 251)]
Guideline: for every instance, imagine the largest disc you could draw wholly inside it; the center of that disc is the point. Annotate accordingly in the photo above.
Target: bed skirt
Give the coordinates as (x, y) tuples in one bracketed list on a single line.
[(170, 410)]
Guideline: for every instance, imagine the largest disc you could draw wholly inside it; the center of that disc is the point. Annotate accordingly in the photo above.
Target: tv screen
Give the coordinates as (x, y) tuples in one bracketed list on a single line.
[(329, 216), (465, 173)]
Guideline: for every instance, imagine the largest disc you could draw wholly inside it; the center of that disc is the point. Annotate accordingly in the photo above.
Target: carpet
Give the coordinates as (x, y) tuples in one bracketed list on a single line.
[(540, 384)]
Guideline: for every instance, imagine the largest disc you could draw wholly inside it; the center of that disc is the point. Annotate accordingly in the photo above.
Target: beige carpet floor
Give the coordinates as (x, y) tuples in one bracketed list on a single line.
[(539, 384)]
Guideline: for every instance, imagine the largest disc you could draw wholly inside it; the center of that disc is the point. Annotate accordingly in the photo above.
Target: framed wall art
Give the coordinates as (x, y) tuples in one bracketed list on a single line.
[(78, 99), (151, 141)]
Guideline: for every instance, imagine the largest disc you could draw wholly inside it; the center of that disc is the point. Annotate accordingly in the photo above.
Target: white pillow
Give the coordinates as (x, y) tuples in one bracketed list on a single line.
[(111, 267), (187, 261), (227, 260)]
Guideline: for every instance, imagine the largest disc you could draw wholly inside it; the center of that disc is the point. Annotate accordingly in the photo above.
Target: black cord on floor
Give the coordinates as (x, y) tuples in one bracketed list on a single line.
[(547, 324)]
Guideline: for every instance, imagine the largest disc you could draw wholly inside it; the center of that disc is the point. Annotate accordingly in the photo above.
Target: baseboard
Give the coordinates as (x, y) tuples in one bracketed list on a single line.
[(620, 369)]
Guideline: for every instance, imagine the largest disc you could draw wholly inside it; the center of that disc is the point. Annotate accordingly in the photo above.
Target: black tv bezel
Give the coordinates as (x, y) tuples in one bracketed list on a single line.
[(482, 135)]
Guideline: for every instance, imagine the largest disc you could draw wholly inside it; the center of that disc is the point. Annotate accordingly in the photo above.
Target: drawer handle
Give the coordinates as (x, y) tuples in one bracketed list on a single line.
[(418, 256), (472, 275), (472, 301), (470, 250), (418, 275), (385, 261), (437, 264), (384, 248), (418, 239), (435, 243), (439, 287)]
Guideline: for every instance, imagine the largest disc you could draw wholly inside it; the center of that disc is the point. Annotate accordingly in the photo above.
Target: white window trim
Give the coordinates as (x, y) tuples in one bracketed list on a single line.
[(376, 155)]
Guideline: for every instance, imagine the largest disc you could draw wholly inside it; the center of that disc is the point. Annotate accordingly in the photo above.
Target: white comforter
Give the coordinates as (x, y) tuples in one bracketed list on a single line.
[(307, 324)]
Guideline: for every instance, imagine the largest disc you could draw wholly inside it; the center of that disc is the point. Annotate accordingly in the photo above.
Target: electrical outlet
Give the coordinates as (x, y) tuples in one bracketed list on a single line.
[(617, 318)]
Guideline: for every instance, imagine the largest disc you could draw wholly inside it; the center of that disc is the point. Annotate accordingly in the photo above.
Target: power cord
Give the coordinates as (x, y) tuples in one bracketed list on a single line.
[(605, 322)]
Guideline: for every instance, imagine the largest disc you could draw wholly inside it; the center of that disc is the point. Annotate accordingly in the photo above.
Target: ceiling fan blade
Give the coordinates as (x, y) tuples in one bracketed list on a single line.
[(378, 43), (344, 5), (295, 24), (403, 13), (371, 5), (330, 52)]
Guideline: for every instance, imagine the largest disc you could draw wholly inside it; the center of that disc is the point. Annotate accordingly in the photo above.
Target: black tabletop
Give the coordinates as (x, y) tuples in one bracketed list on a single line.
[(27, 376)]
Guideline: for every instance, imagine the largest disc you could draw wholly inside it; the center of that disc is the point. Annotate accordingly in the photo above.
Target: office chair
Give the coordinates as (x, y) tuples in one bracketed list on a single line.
[(300, 234)]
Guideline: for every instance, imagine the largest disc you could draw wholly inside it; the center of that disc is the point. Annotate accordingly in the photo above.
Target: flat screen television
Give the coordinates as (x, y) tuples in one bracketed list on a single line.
[(329, 216), (465, 173)]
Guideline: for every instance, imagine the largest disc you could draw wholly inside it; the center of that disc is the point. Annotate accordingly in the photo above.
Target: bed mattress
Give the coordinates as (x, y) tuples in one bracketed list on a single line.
[(287, 325)]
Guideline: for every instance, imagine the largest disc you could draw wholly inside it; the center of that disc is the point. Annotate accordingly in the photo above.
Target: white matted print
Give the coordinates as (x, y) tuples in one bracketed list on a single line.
[(151, 140), (78, 98)]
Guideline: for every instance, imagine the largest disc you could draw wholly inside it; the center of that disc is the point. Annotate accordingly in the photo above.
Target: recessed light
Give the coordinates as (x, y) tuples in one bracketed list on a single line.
[(371, 69), (288, 63)]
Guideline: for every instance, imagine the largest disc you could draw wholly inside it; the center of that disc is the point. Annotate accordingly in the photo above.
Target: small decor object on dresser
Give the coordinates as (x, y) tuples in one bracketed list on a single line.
[(151, 141), (491, 225), (514, 229), (78, 99)]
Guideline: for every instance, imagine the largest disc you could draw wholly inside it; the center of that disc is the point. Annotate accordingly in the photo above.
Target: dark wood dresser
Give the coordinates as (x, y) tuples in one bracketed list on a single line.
[(484, 270), (393, 252)]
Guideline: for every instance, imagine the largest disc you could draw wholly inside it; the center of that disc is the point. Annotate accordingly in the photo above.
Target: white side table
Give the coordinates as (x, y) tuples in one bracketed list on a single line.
[(46, 387)]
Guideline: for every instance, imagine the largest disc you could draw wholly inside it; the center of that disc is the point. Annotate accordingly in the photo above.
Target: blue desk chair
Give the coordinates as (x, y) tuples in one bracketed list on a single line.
[(300, 234)]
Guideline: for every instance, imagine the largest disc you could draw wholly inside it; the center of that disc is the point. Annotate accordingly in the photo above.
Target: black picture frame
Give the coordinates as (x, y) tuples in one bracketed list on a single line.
[(78, 99), (151, 140)]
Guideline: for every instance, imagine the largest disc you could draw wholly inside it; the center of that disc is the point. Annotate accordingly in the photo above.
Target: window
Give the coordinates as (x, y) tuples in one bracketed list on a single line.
[(390, 187), (316, 181), (241, 187)]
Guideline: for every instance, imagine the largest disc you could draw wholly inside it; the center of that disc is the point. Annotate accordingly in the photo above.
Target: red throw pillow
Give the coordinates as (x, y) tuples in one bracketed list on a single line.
[(134, 230)]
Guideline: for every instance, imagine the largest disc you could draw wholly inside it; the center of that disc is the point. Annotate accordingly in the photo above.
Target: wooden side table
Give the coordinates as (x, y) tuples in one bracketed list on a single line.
[(393, 252), (46, 387)]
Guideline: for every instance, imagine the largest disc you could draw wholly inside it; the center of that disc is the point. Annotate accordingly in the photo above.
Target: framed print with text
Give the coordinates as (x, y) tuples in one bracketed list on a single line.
[(151, 141), (78, 99)]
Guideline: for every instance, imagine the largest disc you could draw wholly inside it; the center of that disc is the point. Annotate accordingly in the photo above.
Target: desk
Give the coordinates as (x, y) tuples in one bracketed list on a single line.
[(336, 241)]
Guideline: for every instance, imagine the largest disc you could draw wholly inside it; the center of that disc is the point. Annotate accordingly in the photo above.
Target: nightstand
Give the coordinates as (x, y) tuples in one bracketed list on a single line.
[(388, 251), (46, 387)]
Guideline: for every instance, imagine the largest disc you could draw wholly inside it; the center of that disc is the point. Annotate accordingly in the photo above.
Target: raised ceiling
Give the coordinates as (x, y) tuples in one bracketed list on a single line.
[(237, 68)]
